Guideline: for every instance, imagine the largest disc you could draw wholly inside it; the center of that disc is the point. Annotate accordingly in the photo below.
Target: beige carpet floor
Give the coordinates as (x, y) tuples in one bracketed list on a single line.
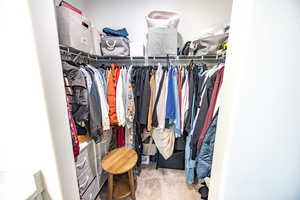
[(161, 184)]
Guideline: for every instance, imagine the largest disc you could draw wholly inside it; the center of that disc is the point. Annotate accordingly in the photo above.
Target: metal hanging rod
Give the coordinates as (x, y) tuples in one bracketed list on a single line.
[(77, 53)]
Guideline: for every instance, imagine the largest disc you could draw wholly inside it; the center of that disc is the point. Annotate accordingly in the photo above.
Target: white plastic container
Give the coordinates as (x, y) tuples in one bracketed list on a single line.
[(73, 29)]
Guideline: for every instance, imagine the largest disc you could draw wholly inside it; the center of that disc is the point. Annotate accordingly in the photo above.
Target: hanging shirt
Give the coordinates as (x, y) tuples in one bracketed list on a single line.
[(159, 110), (95, 115), (121, 136), (103, 80), (195, 81), (102, 94), (87, 78), (73, 129), (145, 99), (124, 72), (185, 98), (205, 155), (203, 107), (210, 112), (111, 95), (218, 101), (177, 121), (120, 109), (170, 106), (130, 112), (79, 99), (141, 89), (190, 163), (117, 73), (152, 99), (130, 108), (179, 88)]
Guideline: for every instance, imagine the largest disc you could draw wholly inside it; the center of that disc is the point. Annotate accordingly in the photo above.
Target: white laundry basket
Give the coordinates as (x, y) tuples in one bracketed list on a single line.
[(162, 33)]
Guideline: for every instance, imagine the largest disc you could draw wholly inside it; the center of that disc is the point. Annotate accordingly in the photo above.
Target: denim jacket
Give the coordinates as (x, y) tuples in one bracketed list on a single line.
[(190, 164), (205, 155)]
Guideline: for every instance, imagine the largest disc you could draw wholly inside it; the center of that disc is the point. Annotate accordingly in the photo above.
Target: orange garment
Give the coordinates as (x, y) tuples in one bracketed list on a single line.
[(117, 71), (111, 95)]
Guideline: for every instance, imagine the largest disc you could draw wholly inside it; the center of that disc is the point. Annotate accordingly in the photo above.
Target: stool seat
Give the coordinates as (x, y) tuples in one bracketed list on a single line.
[(117, 162)]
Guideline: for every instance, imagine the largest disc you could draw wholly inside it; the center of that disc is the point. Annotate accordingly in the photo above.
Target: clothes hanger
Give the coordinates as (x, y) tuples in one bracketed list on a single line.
[(76, 57)]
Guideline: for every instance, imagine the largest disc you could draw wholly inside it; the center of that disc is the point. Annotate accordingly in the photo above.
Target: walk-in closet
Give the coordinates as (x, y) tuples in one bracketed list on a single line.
[(150, 100), (143, 99)]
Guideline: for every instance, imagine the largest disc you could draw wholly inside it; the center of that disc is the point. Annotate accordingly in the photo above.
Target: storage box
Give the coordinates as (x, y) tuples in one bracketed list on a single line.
[(67, 5), (162, 33), (176, 161), (180, 143), (73, 29), (162, 41), (96, 41)]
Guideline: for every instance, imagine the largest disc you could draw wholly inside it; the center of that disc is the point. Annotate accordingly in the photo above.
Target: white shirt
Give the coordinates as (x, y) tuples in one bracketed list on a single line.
[(162, 102), (103, 99), (120, 109)]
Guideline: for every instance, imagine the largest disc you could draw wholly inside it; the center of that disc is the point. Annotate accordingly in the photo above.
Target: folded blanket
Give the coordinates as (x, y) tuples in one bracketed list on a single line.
[(120, 32)]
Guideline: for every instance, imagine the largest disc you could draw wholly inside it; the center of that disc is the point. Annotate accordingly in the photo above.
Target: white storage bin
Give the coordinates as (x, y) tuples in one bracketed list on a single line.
[(74, 30), (96, 41), (162, 33), (162, 41)]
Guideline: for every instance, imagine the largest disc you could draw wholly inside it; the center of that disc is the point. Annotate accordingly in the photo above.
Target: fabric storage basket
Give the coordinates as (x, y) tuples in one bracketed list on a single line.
[(176, 161), (73, 29), (209, 42), (162, 33), (208, 45), (149, 147), (67, 5), (96, 41), (162, 42), (114, 46), (180, 143)]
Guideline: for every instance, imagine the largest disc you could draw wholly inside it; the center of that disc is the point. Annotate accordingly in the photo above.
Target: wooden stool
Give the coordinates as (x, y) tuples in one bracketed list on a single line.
[(120, 161)]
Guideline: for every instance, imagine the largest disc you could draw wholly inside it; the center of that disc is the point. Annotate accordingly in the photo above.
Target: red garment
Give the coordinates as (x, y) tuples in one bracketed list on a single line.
[(121, 136), (73, 129), (211, 108), (179, 90)]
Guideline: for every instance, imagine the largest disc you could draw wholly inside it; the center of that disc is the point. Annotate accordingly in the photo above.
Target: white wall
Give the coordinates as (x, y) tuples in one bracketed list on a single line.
[(46, 38), (196, 15), (34, 127), (257, 146)]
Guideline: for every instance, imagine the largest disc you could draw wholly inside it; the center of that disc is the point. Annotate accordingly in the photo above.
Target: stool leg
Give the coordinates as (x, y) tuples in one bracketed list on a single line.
[(110, 186), (131, 183)]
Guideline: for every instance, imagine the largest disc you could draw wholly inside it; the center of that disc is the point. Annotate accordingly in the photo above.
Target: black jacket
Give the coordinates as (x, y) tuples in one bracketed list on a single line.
[(202, 114), (79, 99)]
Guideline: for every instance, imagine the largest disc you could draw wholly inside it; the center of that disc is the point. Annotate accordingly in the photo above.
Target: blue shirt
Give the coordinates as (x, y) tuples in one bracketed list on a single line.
[(170, 107), (177, 122)]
